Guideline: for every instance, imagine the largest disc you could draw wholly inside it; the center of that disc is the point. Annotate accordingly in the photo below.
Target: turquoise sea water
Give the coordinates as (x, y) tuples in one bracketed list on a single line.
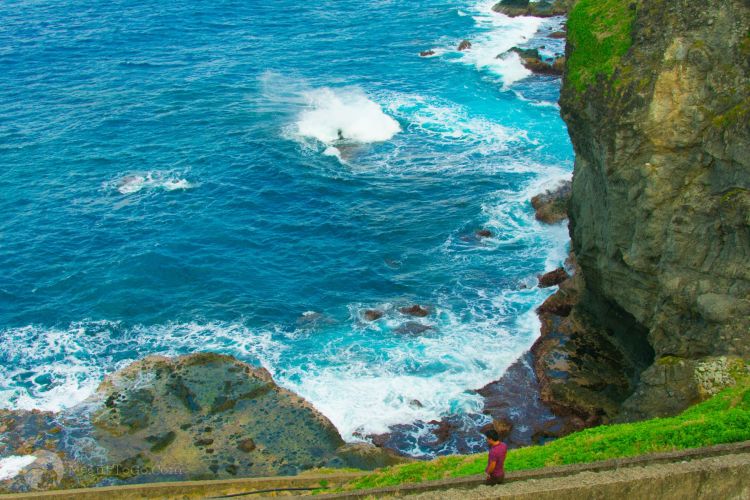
[(172, 180)]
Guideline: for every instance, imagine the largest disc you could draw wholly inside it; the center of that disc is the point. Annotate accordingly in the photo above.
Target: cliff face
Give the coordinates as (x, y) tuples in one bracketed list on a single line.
[(656, 96)]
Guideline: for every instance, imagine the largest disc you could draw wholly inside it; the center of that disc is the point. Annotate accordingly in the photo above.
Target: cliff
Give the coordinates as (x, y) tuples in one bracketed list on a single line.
[(656, 96)]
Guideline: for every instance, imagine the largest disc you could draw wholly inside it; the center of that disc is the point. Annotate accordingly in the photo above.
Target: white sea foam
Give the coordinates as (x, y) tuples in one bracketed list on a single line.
[(365, 388), (451, 121), (344, 115), (133, 183), (11, 466), (499, 33)]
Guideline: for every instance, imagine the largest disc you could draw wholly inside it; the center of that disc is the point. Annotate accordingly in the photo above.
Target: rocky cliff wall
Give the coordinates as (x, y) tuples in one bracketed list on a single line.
[(656, 96)]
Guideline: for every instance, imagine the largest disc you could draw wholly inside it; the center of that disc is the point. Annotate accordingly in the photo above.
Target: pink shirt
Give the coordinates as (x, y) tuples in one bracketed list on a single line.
[(497, 454)]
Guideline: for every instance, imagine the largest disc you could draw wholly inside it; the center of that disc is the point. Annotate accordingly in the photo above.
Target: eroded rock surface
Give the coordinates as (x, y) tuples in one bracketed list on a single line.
[(198, 416)]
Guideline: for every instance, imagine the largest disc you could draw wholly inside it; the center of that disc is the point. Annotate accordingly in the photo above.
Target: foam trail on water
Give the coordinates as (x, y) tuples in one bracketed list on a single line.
[(344, 114), (499, 34), (155, 180)]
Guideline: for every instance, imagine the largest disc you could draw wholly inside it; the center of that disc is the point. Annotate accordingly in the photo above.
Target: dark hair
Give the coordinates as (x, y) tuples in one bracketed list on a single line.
[(492, 434)]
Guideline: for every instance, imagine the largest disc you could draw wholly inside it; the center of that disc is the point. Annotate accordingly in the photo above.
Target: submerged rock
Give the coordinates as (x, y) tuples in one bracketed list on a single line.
[(427, 53), (484, 233)]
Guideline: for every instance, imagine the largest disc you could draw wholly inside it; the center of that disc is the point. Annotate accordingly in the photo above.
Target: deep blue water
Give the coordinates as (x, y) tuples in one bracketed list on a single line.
[(171, 180)]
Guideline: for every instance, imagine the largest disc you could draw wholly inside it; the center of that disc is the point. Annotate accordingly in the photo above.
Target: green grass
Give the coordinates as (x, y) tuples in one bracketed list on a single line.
[(725, 418), (599, 32)]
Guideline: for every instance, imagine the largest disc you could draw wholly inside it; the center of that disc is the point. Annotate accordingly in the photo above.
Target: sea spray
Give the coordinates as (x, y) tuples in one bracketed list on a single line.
[(344, 115)]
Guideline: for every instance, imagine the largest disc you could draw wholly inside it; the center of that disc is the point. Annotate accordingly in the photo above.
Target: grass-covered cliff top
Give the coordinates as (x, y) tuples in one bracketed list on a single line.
[(599, 32), (725, 418)]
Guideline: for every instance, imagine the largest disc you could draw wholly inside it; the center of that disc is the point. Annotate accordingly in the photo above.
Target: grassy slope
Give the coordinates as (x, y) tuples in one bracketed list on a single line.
[(599, 33), (725, 418)]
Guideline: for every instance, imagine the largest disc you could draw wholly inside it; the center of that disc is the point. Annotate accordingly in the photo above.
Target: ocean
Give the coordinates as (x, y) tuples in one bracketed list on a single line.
[(249, 177)]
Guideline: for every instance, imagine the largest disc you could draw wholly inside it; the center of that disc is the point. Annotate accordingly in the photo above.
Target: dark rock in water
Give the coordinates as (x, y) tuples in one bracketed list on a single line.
[(540, 67), (552, 206), (525, 53), (427, 53), (464, 45), (484, 233), (553, 278), (542, 8), (558, 34), (412, 328), (372, 314), (415, 403), (415, 310), (443, 430)]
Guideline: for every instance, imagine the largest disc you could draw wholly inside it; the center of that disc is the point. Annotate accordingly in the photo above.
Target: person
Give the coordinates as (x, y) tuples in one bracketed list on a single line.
[(495, 470)]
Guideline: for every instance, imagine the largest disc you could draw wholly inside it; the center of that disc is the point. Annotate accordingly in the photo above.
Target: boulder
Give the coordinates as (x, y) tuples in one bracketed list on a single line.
[(552, 206), (372, 314), (427, 53), (553, 278), (464, 45), (415, 310)]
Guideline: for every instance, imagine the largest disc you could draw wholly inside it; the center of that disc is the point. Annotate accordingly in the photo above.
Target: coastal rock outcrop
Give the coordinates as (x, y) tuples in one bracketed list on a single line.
[(552, 205), (656, 97), (542, 8), (203, 415)]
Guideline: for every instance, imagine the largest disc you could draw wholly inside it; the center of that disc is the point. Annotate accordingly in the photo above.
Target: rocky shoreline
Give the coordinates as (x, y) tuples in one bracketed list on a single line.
[(200, 416)]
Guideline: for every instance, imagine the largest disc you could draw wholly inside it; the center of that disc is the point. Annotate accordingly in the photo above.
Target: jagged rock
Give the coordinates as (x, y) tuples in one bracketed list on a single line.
[(553, 278), (552, 206), (558, 34), (525, 53), (373, 314), (464, 45), (542, 8), (540, 67), (661, 188), (415, 310), (427, 53)]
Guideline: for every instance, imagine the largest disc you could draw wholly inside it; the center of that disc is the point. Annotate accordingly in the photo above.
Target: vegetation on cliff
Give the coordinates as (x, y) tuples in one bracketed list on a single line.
[(599, 34), (725, 418)]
